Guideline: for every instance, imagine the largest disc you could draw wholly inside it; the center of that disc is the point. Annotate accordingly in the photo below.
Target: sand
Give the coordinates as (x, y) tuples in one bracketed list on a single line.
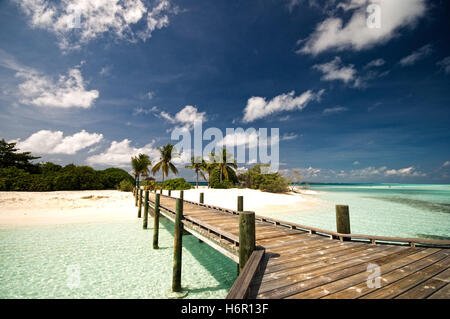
[(66, 207)]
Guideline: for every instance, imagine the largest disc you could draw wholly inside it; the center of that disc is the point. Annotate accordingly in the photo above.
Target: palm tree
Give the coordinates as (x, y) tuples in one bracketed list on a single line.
[(225, 165), (165, 164), (198, 165), (140, 166), (210, 165)]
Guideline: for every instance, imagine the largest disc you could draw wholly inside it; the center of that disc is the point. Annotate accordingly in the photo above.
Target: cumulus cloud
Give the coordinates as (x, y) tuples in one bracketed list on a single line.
[(119, 154), (186, 117), (288, 136), (258, 107), (444, 64), (335, 70), (384, 171), (68, 91), (145, 111), (446, 164), (54, 142), (334, 34), (76, 22), (416, 55)]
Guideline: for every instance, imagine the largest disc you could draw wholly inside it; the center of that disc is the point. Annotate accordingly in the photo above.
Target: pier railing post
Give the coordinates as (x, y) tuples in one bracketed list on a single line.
[(140, 203), (247, 237), (240, 203), (177, 247), (181, 195), (342, 219), (202, 198), (145, 222), (156, 222), (168, 193)]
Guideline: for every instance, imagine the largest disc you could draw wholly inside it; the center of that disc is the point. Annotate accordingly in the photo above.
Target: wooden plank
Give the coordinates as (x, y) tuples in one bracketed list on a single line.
[(428, 287), (288, 284), (386, 278), (240, 288), (443, 293), (402, 285), (324, 276), (361, 278)]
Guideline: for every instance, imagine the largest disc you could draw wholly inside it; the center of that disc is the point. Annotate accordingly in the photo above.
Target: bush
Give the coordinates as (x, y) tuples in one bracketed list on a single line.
[(222, 184), (214, 180), (255, 179), (126, 186), (176, 184), (112, 177)]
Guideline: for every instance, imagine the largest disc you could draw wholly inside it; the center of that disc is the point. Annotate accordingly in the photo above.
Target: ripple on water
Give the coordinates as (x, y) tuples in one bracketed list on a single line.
[(114, 260)]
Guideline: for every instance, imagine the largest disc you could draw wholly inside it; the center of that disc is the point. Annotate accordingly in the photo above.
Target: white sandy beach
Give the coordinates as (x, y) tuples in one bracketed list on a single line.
[(65, 207)]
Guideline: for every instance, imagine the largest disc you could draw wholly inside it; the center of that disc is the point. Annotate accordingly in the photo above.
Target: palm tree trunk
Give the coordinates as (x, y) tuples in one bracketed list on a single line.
[(197, 180)]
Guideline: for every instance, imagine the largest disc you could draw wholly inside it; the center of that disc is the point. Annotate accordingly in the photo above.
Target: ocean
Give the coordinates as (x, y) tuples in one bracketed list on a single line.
[(400, 210)]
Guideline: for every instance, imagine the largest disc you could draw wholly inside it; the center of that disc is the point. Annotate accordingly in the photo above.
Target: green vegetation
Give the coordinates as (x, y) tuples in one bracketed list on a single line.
[(198, 165), (215, 181), (126, 186), (255, 179), (140, 166), (176, 184), (165, 164), (18, 173)]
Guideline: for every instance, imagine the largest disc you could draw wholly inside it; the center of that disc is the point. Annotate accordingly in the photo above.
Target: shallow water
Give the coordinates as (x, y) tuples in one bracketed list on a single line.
[(106, 260), (380, 209)]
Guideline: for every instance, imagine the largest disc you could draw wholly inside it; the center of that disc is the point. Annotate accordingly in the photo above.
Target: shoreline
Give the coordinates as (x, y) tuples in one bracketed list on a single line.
[(93, 206)]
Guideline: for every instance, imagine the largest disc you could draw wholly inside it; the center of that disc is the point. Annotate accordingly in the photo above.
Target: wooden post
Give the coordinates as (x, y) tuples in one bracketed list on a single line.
[(178, 245), (156, 222), (140, 204), (342, 219), (168, 192), (181, 195), (247, 237), (240, 203), (145, 222), (202, 198)]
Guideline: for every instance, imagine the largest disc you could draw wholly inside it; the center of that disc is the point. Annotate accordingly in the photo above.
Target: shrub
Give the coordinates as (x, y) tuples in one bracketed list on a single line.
[(222, 184), (214, 180), (176, 184), (111, 177), (126, 186), (255, 179)]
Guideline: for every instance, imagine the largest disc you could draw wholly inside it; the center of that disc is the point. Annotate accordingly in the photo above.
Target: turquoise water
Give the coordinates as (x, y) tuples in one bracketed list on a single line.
[(380, 209), (106, 260)]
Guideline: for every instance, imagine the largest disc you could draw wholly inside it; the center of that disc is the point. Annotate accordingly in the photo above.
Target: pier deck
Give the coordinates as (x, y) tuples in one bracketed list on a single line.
[(295, 261)]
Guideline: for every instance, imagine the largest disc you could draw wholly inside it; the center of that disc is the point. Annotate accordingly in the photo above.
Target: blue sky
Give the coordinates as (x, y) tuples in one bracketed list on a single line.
[(96, 85)]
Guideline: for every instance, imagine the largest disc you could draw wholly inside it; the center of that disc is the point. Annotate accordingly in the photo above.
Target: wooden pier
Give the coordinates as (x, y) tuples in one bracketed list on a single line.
[(296, 261)]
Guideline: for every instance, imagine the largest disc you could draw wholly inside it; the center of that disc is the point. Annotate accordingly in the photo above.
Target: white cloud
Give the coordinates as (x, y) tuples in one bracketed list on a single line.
[(119, 154), (375, 63), (76, 22), (446, 164), (407, 171), (334, 70), (257, 107), (416, 55), (288, 136), (53, 142), (356, 163), (187, 117), (334, 110), (334, 34), (68, 91), (105, 71), (140, 110), (444, 64)]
